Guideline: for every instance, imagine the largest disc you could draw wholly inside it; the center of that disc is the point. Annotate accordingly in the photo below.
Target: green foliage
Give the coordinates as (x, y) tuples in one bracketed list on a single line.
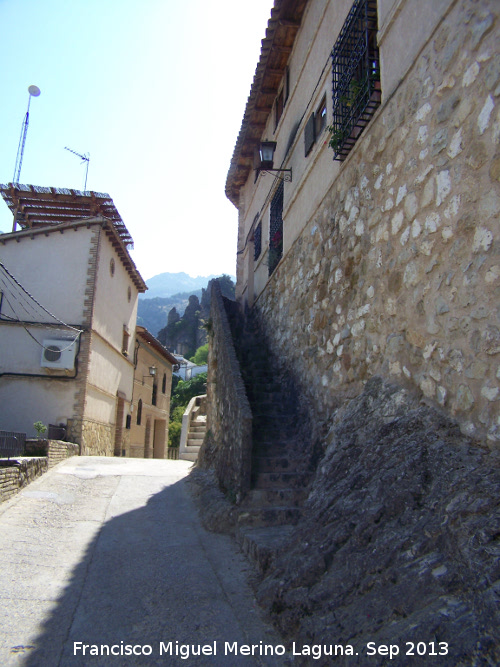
[(186, 390), (177, 413), (182, 393), (201, 355), (40, 428), (174, 433), (227, 286), (337, 138)]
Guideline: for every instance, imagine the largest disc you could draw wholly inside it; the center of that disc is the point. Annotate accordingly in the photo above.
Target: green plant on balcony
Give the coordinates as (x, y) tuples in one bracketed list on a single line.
[(337, 137), (351, 95)]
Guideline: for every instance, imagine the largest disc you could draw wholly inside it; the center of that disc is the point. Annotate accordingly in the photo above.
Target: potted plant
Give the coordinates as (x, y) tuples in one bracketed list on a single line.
[(40, 429)]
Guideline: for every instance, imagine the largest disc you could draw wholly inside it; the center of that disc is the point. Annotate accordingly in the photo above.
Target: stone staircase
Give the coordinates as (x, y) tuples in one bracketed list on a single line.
[(281, 455), (194, 427)]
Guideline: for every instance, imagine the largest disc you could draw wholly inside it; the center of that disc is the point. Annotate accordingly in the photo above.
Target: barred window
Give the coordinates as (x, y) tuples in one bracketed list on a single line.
[(276, 228), (356, 77), (257, 241)]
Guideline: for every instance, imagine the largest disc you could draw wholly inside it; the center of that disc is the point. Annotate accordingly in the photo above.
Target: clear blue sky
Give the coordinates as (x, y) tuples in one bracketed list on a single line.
[(155, 92)]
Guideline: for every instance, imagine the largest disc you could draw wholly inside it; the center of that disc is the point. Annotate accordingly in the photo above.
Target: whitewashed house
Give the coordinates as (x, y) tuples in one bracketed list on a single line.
[(67, 317)]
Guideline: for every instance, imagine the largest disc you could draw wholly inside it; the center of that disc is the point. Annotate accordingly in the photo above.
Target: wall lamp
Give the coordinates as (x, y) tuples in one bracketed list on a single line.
[(152, 373), (264, 158)]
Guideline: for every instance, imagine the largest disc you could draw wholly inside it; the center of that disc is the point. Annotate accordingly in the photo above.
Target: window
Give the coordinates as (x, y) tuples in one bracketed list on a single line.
[(139, 412), (356, 77), (276, 229), (320, 117), (281, 98), (315, 126), (155, 394), (309, 135), (257, 241), (128, 422), (278, 108), (112, 267), (125, 340)]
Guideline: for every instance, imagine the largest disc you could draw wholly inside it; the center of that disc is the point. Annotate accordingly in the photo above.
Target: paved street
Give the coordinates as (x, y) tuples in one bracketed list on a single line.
[(109, 552)]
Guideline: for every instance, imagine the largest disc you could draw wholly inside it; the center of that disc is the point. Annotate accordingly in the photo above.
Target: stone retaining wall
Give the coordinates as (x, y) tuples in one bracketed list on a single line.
[(55, 450), (18, 473), (228, 443), (41, 455), (398, 273)]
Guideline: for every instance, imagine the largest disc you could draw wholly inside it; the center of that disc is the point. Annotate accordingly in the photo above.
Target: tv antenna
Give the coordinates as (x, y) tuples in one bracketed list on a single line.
[(34, 91), (85, 158)]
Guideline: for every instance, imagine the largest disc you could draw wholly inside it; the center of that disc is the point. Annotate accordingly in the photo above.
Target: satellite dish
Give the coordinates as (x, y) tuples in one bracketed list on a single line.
[(34, 91)]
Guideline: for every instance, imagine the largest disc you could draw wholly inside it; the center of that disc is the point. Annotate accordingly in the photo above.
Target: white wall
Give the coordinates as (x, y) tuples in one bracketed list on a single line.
[(52, 269), (112, 308), (23, 402)]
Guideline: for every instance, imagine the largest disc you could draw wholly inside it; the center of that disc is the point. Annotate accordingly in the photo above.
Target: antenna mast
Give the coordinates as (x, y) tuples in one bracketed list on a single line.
[(86, 158), (33, 91)]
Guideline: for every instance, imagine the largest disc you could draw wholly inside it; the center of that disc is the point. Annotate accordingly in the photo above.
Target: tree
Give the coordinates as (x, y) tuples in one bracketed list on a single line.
[(186, 390), (201, 355)]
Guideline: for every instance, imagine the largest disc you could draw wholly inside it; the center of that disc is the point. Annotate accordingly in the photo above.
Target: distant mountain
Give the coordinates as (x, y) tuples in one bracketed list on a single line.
[(164, 294), (167, 284), (153, 313)]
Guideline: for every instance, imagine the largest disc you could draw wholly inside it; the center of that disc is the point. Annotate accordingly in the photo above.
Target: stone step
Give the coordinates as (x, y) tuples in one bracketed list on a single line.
[(196, 436), (263, 498), (275, 464), (197, 429), (200, 419), (268, 516), (194, 444), (271, 447), (188, 456), (275, 428), (262, 544), (192, 449), (281, 480), (268, 415)]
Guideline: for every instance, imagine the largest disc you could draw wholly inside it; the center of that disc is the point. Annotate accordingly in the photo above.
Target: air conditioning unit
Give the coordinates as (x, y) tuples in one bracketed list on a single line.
[(58, 354)]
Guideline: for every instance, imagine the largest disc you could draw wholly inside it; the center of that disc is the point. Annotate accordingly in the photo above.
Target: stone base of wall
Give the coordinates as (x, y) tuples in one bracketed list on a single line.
[(96, 439), (17, 473), (136, 451), (41, 455), (55, 450)]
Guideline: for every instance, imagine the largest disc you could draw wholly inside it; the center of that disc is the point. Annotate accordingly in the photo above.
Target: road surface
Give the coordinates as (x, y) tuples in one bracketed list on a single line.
[(107, 556)]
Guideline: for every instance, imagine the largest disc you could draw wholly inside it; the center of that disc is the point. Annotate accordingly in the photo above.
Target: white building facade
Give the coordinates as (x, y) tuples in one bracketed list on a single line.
[(68, 360), (374, 249)]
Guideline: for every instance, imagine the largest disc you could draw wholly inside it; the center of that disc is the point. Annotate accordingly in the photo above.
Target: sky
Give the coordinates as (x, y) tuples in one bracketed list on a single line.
[(154, 92)]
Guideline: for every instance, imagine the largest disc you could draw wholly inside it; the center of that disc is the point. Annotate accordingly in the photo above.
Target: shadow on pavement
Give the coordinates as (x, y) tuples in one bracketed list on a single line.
[(153, 576)]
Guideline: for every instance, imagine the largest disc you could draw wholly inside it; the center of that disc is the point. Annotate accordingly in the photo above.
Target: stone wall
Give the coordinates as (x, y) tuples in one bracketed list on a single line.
[(16, 473), (41, 455), (228, 443), (55, 450), (95, 439), (398, 272)]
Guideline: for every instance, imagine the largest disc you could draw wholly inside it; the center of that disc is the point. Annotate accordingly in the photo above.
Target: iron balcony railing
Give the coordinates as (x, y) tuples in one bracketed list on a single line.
[(356, 77)]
